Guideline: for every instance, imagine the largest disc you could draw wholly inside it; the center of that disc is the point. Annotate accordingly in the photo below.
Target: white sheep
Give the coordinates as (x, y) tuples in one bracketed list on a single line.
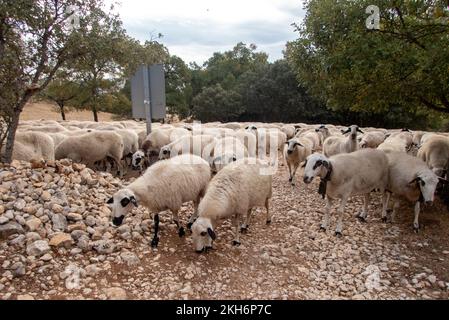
[(193, 144), (130, 143), (166, 185), (296, 151), (140, 161), (92, 147), (225, 151), (312, 135), (156, 140), (323, 132), (411, 179), (435, 153), (347, 174), (335, 144), (372, 139), (289, 130), (33, 146), (233, 192), (249, 140)]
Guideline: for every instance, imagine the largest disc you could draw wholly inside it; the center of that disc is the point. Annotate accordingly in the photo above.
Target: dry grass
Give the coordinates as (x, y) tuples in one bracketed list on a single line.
[(47, 111)]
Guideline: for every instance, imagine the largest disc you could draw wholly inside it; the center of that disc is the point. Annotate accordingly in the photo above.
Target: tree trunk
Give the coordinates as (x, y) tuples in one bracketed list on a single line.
[(94, 110), (7, 155), (61, 108)]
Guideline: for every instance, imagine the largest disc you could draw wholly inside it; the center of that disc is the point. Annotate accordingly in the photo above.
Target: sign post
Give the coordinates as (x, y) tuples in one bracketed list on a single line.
[(148, 93)]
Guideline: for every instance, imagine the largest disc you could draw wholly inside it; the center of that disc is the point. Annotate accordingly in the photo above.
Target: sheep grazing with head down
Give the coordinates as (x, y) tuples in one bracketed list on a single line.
[(335, 144), (166, 185), (345, 175), (233, 192), (92, 147), (33, 146), (296, 150), (410, 178)]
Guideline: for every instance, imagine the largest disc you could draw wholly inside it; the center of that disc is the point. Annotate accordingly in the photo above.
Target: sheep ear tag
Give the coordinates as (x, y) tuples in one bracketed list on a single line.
[(134, 201), (124, 202), (211, 233)]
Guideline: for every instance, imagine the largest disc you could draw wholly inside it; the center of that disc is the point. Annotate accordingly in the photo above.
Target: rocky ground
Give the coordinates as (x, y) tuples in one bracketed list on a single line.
[(56, 242)]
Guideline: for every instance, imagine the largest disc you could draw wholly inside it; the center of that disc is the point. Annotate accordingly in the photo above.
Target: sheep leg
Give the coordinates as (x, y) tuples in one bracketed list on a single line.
[(289, 172), (325, 220), (244, 227), (362, 215), (155, 240), (385, 199), (236, 221), (181, 231), (341, 210), (267, 206), (294, 174), (395, 208), (415, 222)]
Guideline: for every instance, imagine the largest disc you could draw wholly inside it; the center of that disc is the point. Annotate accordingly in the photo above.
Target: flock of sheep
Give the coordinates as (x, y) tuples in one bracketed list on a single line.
[(226, 169)]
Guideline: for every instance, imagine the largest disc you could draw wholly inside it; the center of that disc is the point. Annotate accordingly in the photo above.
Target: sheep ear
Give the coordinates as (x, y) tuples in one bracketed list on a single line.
[(442, 180), (110, 201), (414, 181), (124, 202), (298, 144), (286, 142), (317, 130), (134, 201), (326, 164), (358, 129), (246, 128), (211, 233), (304, 164)]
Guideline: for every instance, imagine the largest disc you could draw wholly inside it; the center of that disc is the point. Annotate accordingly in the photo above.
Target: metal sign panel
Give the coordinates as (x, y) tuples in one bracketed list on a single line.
[(157, 91), (138, 93), (148, 84)]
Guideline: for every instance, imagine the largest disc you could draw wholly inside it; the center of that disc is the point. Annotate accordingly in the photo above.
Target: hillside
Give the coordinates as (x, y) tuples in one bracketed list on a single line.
[(44, 110)]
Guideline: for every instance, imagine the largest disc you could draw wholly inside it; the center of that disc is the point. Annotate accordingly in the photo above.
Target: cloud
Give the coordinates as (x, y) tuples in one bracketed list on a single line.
[(194, 30)]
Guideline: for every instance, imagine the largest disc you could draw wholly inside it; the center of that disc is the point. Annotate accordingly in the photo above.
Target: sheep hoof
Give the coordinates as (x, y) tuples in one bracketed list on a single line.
[(338, 234), (154, 242), (235, 243), (181, 232), (416, 229), (322, 229), (384, 219)]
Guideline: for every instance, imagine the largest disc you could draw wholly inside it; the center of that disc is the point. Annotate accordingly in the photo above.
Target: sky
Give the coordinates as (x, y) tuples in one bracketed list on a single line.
[(195, 29)]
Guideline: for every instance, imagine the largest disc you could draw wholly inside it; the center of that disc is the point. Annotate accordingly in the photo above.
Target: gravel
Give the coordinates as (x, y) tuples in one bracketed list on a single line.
[(58, 243)]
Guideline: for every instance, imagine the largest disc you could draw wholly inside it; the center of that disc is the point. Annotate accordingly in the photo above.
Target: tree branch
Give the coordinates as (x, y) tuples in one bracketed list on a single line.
[(432, 106)]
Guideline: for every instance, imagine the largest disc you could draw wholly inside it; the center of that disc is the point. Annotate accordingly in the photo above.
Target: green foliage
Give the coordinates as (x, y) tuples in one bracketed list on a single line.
[(178, 87), (403, 66), (216, 104)]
